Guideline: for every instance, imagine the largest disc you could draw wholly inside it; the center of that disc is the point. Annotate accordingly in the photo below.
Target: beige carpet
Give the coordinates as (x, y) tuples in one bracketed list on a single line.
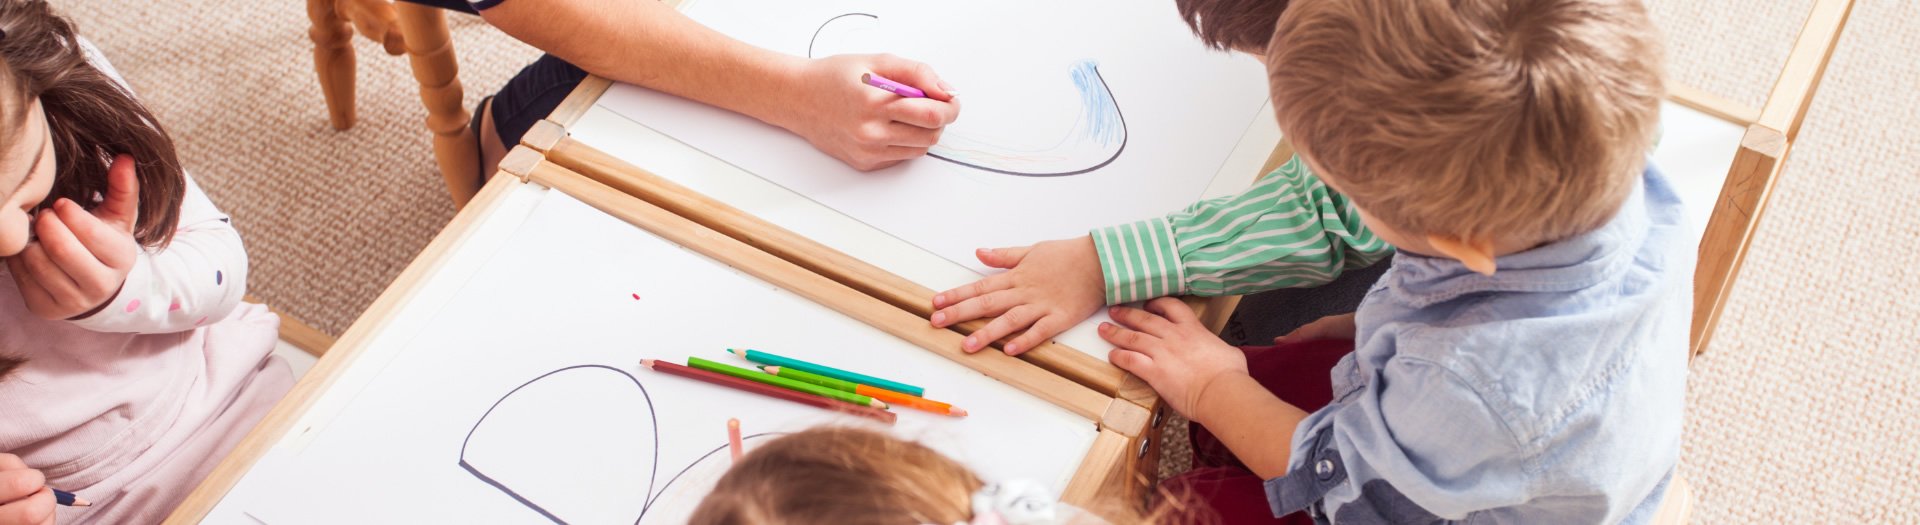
[(1804, 407), (1802, 410), (329, 217)]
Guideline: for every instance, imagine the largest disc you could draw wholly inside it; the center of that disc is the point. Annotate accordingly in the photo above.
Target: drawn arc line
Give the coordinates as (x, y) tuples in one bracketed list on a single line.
[(651, 476), (1096, 74)]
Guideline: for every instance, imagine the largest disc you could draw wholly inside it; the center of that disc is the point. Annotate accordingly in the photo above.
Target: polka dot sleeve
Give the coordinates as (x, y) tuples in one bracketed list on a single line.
[(197, 279)]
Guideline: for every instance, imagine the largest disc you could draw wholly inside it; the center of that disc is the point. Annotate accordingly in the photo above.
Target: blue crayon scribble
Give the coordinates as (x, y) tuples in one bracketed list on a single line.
[(1100, 116)]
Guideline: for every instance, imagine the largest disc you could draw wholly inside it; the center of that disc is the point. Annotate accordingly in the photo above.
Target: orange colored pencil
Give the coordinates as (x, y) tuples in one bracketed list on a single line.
[(909, 400), (882, 394)]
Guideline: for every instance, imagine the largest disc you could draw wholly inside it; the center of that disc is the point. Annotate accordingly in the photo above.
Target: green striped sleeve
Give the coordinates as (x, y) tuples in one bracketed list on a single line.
[(1139, 261), (1288, 230)]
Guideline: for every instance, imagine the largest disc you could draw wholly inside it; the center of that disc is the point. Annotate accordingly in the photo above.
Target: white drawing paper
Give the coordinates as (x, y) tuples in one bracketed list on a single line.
[(522, 400), (1075, 115)]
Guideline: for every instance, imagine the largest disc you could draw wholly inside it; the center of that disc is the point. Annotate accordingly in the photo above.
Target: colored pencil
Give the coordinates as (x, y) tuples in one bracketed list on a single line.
[(769, 390), (891, 86), (733, 438), (843, 375), (68, 499), (789, 384), (891, 397), (810, 377)]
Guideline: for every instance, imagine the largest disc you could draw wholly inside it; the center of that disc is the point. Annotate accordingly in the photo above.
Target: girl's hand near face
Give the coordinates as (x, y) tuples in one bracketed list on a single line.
[(81, 258)]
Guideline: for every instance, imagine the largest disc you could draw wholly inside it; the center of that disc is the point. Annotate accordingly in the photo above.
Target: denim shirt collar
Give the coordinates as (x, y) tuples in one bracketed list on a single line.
[(1569, 264)]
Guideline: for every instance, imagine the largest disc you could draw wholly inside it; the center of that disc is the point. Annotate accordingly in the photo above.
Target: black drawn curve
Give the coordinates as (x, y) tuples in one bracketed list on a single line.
[(651, 476), (1096, 74), (703, 457)]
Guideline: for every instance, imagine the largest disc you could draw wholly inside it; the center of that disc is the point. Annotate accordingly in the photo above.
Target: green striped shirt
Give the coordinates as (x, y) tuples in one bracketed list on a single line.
[(1289, 230)]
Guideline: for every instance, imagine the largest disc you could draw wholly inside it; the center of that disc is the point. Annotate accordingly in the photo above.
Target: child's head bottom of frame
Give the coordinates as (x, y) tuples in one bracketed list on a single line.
[(850, 476)]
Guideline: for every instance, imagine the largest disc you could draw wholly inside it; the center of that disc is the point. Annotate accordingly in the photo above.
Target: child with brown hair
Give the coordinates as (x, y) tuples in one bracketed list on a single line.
[(1522, 361), (128, 363), (848, 476)]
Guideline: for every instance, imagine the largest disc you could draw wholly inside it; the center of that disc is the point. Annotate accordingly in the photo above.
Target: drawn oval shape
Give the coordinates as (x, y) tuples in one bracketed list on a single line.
[(575, 445)]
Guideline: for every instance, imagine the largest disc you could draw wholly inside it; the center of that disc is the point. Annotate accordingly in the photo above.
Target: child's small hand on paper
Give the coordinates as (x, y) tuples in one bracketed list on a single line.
[(1168, 347), (1329, 327), (81, 258), (861, 125), (1048, 288), (24, 496)]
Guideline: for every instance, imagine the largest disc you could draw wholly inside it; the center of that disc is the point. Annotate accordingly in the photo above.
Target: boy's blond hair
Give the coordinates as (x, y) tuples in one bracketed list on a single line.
[(1522, 120)]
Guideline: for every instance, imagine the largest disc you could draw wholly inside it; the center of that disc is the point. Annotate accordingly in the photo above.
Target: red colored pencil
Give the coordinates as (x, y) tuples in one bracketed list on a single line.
[(769, 390)]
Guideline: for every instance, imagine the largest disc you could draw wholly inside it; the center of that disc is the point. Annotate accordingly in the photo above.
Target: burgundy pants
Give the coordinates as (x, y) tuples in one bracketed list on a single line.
[(1298, 374)]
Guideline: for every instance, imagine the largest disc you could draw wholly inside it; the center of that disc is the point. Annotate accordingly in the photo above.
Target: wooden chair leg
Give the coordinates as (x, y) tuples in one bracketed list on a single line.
[(376, 20), (333, 60), (430, 49)]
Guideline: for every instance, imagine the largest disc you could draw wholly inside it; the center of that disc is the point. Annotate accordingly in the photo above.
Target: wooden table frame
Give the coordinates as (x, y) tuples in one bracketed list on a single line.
[(549, 157), (548, 143), (1771, 131), (1120, 422)]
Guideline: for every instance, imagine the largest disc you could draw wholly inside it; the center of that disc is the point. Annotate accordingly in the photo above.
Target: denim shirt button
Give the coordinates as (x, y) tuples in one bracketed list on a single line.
[(1324, 469)]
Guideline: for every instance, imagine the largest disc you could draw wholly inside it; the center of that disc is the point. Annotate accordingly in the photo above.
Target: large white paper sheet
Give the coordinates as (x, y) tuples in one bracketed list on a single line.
[(522, 400), (1075, 115)]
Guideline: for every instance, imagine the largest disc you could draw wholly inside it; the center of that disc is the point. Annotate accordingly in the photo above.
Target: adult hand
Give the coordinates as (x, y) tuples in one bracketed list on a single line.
[(81, 258), (24, 496), (1049, 287), (862, 125), (1167, 346)]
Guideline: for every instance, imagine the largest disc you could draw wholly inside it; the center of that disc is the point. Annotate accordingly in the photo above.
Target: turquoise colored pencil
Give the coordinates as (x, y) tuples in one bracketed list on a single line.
[(843, 375), (888, 396), (789, 384)]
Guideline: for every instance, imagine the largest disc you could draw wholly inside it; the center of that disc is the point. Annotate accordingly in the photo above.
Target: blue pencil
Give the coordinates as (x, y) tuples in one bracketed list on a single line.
[(68, 499)]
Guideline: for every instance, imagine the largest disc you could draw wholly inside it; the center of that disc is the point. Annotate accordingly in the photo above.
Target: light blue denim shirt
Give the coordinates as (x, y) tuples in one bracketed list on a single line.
[(1549, 392)]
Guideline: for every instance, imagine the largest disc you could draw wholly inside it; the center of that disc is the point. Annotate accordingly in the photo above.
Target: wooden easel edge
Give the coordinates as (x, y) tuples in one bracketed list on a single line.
[(280, 420)]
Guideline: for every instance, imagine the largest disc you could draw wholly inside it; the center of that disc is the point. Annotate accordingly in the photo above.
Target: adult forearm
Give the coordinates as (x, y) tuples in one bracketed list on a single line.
[(1254, 424), (648, 43)]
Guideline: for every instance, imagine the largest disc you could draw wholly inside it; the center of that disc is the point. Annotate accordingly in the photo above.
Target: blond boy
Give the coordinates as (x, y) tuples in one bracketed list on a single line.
[(1523, 359)]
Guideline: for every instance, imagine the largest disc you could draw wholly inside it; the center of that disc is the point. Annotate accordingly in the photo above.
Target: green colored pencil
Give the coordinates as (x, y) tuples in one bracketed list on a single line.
[(824, 370), (810, 377), (789, 384)]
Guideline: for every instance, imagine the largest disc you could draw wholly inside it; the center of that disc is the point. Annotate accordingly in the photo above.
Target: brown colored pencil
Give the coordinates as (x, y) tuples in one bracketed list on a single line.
[(769, 390)]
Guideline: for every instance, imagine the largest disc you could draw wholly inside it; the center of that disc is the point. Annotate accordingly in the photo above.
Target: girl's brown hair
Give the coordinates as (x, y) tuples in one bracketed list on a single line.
[(90, 117), (853, 477)]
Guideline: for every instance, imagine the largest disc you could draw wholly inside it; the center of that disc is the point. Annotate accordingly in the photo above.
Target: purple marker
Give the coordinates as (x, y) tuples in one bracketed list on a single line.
[(891, 86)]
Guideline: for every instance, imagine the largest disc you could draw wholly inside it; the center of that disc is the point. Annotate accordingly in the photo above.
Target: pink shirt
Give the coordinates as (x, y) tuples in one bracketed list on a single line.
[(131, 407)]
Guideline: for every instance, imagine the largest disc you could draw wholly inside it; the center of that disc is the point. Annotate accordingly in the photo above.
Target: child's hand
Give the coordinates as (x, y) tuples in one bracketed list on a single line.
[(24, 496), (81, 258), (1050, 287), (1329, 327), (1167, 346), (861, 125)]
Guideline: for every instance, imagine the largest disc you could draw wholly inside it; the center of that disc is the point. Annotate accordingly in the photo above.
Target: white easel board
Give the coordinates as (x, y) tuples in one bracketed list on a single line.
[(1211, 143), (508, 389), (1695, 152)]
